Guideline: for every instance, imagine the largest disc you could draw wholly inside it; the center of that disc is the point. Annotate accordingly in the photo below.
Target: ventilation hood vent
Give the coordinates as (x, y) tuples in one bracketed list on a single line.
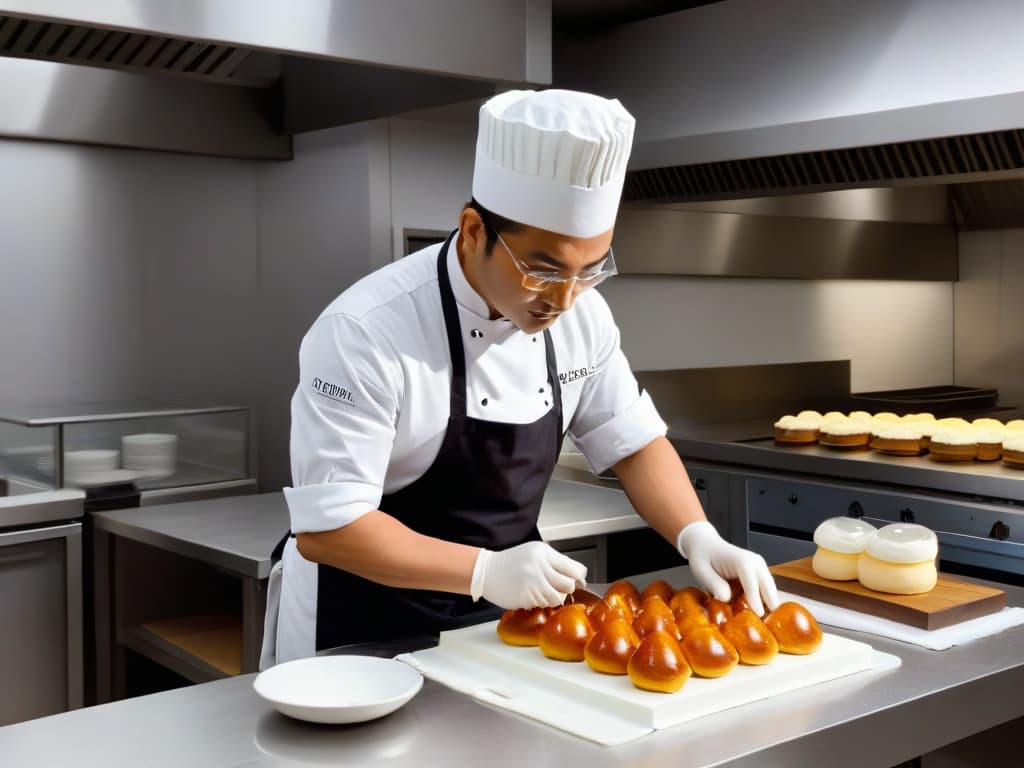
[(925, 161), (157, 54), (238, 78), (743, 99)]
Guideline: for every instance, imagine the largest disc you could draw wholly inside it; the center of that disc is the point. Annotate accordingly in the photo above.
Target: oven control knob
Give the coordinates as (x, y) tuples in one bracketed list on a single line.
[(700, 484), (1000, 531), (792, 498), (855, 509), (906, 515)]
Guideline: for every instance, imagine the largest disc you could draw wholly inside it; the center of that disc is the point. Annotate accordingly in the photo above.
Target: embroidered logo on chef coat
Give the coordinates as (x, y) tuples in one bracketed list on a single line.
[(333, 391), (575, 374)]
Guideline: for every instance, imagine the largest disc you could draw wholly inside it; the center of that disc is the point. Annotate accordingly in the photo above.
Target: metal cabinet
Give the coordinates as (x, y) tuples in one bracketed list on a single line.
[(41, 605)]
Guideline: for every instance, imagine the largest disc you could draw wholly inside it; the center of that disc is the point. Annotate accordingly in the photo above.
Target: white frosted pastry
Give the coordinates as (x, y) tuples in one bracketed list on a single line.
[(1015, 425), (896, 431), (809, 415), (954, 422), (916, 418), (861, 416), (954, 436), (900, 559), (987, 423), (845, 426), (795, 422), (1013, 442), (886, 416), (840, 541), (832, 415)]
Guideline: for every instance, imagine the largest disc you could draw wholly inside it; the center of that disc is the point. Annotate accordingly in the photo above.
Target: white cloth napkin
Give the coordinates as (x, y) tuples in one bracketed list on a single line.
[(934, 639)]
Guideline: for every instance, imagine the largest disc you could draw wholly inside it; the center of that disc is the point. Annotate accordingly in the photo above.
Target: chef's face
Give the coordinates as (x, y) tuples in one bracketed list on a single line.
[(494, 274)]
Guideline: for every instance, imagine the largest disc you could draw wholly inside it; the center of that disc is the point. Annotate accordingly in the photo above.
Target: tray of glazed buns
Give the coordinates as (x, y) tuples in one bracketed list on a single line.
[(948, 439), (650, 658)]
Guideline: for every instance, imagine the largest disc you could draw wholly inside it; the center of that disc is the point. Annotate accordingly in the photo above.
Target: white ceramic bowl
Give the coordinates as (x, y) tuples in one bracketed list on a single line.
[(338, 689)]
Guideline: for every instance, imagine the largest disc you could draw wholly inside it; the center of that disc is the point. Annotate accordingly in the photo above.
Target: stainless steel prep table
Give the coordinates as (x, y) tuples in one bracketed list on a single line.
[(236, 535), (877, 719), (749, 443)]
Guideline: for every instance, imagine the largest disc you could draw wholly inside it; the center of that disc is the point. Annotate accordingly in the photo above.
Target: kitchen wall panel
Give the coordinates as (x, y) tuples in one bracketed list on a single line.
[(431, 175), (896, 334), (989, 313), (318, 234)]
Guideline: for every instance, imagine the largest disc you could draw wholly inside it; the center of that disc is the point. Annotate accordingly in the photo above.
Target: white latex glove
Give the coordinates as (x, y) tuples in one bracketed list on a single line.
[(713, 560), (531, 575)]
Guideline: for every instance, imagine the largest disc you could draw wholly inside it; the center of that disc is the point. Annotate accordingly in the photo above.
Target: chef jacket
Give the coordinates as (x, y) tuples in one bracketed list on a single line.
[(371, 408)]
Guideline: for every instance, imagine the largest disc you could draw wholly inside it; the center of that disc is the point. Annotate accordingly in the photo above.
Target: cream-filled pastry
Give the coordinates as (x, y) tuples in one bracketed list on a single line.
[(840, 541), (899, 559), (794, 430)]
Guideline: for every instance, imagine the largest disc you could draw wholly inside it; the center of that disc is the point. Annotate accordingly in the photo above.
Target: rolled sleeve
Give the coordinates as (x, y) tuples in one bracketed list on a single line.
[(343, 425), (623, 435)]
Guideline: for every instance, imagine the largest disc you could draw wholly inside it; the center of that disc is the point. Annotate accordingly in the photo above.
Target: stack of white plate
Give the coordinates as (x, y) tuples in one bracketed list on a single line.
[(83, 466), (152, 454), (34, 459)]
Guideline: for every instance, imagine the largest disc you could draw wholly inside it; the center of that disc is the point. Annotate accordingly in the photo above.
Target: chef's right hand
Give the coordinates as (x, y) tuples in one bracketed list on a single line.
[(531, 575)]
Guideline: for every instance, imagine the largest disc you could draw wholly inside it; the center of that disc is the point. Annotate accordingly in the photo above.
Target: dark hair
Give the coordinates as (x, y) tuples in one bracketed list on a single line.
[(493, 224)]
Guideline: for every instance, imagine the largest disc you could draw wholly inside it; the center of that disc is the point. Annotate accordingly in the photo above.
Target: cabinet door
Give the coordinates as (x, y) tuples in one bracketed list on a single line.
[(34, 640)]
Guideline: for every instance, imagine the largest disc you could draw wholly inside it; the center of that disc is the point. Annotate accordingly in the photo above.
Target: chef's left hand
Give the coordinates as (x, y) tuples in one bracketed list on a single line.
[(714, 560)]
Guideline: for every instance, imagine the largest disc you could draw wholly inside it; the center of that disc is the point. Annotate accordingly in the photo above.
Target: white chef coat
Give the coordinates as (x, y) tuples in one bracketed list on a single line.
[(371, 408)]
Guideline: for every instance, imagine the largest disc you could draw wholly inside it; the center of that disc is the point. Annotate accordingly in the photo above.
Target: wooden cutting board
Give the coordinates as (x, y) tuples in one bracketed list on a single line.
[(950, 602)]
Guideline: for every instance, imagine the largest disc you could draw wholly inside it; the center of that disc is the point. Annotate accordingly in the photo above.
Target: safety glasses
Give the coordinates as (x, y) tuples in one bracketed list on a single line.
[(537, 280)]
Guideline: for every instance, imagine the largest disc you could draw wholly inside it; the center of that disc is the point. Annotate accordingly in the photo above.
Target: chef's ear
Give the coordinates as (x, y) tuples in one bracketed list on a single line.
[(472, 231)]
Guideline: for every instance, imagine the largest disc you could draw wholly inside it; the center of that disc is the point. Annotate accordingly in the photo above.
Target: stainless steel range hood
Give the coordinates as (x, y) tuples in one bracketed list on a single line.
[(741, 99), (238, 77)]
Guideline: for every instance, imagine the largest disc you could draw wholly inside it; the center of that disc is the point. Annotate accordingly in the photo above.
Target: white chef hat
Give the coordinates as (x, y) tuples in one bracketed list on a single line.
[(553, 159)]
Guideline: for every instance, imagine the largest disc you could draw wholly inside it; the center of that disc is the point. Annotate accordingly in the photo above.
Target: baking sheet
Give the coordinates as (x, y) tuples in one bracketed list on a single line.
[(608, 709)]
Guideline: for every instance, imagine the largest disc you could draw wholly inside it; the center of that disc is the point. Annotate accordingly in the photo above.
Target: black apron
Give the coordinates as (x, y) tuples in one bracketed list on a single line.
[(484, 489)]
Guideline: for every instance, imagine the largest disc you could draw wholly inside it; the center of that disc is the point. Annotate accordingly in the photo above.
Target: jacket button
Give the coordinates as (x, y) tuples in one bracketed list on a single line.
[(484, 401), (476, 333)]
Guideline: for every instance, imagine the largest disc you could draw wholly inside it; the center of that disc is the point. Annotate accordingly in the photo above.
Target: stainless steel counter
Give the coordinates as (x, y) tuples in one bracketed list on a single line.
[(238, 533), (872, 719), (750, 444)]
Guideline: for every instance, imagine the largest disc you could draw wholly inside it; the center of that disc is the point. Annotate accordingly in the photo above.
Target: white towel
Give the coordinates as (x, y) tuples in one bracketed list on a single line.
[(934, 639)]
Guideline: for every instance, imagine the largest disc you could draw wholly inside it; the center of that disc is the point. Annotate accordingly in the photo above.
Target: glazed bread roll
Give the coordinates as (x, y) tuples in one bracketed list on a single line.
[(899, 559), (753, 641), (655, 616), (611, 647), (606, 611), (688, 620), (522, 627), (627, 590), (565, 634), (658, 664), (718, 612), (659, 588), (840, 541), (687, 598), (708, 652), (584, 598), (794, 628)]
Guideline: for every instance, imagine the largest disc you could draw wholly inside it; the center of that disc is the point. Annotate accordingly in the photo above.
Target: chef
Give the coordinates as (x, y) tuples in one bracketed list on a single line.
[(434, 396)]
